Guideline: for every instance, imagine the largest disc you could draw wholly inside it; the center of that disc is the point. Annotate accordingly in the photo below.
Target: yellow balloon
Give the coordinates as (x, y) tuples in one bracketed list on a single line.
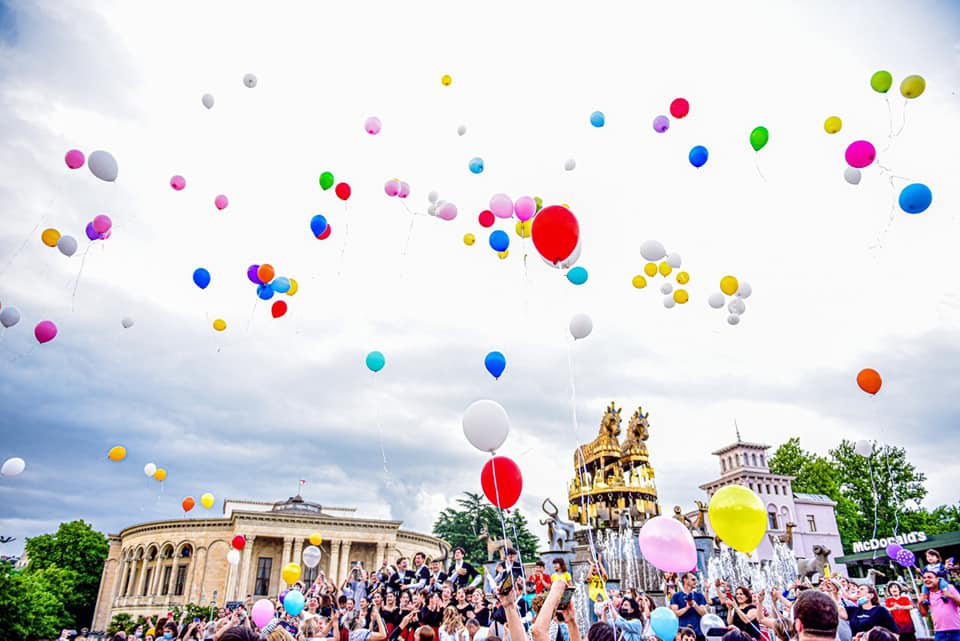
[(445, 81), (469, 239), (639, 281), (219, 324), (729, 285), (650, 269), (316, 539), (832, 124), (665, 268), (50, 237), (524, 227), (294, 287), (160, 474), (503, 254), (683, 278), (738, 517), (913, 86), (290, 573), (681, 296), (117, 453), (207, 500)]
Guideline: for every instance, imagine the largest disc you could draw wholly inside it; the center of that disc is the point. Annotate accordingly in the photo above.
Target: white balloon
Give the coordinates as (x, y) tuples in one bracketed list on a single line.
[(233, 557), (580, 326), (103, 165), (311, 556), (250, 81), (711, 622), (570, 164), (852, 175), (432, 210), (744, 290), (462, 129), (666, 288), (674, 260), (737, 306), (652, 250), (127, 322), (9, 316), (433, 196), (863, 448), (716, 300), (13, 466), (207, 100), (733, 319), (486, 425), (67, 245), (150, 469), (668, 302)]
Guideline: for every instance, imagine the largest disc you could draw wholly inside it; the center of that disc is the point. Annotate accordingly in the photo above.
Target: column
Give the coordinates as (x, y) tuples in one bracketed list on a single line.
[(195, 562), (122, 579), (344, 561), (173, 579), (284, 559), (333, 561), (245, 569), (141, 577), (297, 556), (155, 580), (381, 554)]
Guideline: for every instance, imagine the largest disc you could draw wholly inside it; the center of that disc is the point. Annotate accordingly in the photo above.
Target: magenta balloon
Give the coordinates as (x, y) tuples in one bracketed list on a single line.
[(102, 224), (404, 190), (221, 202), (45, 331), (860, 154), (525, 208), (447, 211), (661, 124), (391, 188), (501, 206), (178, 182), (372, 125), (262, 612), (667, 544), (74, 159)]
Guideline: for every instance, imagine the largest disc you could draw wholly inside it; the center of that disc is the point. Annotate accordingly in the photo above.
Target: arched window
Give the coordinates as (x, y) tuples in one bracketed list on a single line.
[(761, 460), (754, 457), (723, 465), (772, 518)]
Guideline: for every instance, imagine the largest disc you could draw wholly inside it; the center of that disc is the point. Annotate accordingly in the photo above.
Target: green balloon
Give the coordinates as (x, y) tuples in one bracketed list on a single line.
[(759, 137), (326, 180), (881, 81)]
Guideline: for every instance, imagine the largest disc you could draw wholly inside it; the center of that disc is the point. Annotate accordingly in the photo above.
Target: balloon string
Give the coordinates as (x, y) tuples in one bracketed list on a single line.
[(406, 244), (22, 245), (252, 312), (496, 491), (582, 463), (756, 162), (904, 123), (383, 451), (876, 498), (346, 237), (76, 283)]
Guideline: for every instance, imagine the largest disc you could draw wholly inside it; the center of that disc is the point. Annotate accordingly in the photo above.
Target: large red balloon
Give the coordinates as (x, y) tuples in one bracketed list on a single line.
[(869, 380), (238, 542), (343, 191), (486, 218), (679, 108), (509, 482), (555, 233), (279, 309)]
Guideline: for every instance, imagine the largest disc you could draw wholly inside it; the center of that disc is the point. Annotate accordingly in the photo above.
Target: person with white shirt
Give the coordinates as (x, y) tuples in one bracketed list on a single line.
[(461, 572)]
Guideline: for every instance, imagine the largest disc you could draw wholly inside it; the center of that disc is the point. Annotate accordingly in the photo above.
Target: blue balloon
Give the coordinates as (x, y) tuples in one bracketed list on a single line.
[(265, 291), (698, 156), (499, 240), (293, 602), (318, 225), (376, 361), (915, 198), (495, 362), (201, 277), (663, 622), (281, 284), (597, 119), (476, 165), (577, 275)]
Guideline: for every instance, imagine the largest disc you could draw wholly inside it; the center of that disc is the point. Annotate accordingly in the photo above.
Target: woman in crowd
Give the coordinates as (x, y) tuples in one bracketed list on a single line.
[(431, 614), (560, 571), (390, 613), (462, 604), (900, 606), (452, 628), (868, 613), (480, 611), (742, 613)]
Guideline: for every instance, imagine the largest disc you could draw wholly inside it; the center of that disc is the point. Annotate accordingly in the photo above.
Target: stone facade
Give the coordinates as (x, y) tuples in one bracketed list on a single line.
[(153, 566)]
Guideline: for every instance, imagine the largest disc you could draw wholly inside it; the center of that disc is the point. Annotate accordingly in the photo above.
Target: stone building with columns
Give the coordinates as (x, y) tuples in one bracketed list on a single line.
[(153, 566)]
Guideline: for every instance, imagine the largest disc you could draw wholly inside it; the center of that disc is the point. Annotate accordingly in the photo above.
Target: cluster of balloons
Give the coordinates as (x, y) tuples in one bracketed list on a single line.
[(101, 163), (13, 466), (44, 331), (99, 228), (156, 473), (268, 283), (396, 188), (737, 291), (440, 208), (653, 251), (206, 500), (320, 227), (342, 190), (66, 244), (911, 87), (679, 108)]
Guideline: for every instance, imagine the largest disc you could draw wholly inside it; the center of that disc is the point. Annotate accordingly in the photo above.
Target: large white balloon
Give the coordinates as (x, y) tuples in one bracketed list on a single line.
[(716, 300), (666, 288), (744, 290), (580, 326), (712, 622), (127, 322), (668, 302), (9, 316), (652, 250), (863, 448), (207, 100), (13, 466), (311, 556), (250, 81), (737, 306), (486, 425), (733, 319), (150, 469), (570, 164), (462, 129), (233, 557), (103, 165), (67, 245), (852, 175), (674, 260)]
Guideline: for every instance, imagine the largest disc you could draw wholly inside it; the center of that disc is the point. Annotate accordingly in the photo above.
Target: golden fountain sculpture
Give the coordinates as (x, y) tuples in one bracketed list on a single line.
[(613, 484)]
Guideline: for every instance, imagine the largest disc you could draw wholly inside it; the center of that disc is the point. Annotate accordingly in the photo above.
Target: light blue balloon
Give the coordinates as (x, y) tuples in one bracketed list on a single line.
[(281, 284), (698, 156), (476, 165), (597, 119), (577, 275), (495, 362), (915, 198), (293, 602), (663, 621), (499, 241), (376, 361)]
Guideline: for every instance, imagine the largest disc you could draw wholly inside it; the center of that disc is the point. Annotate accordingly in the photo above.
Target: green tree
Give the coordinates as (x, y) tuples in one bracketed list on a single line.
[(120, 621), (33, 603), (462, 527)]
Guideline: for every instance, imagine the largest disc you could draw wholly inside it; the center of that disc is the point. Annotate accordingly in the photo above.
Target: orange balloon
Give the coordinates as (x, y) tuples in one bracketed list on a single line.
[(188, 504), (265, 273), (869, 380)]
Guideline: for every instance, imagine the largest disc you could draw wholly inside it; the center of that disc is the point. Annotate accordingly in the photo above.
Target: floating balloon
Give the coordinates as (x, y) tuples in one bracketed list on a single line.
[(326, 232), (476, 165), (372, 125), (91, 232), (311, 556), (265, 273), (445, 80), (915, 198), (74, 159), (316, 539), (50, 237), (501, 206), (294, 287), (13, 466), (201, 277), (262, 612), (45, 331), (580, 326), (881, 81), (178, 183), (666, 288), (126, 322), (863, 448), (738, 517), (326, 180), (103, 165), (391, 187), (652, 250), (525, 208), (290, 573), (188, 503), (495, 362), (249, 81), (698, 156), (462, 129), (569, 164), (869, 380), (486, 425), (375, 361), (252, 274), (664, 623), (667, 544), (501, 481), (860, 154), (486, 218), (733, 319), (221, 202), (577, 275), (278, 309), (343, 191), (650, 269), (639, 281), (597, 119), (233, 557), (744, 290), (711, 622), (679, 108), (737, 306), (716, 300), (117, 453), (238, 542), (664, 268), (281, 284), (683, 278), (447, 211), (912, 87), (759, 137), (556, 234), (150, 469), (102, 224), (674, 260), (668, 302), (893, 550), (852, 175), (524, 228), (499, 241), (503, 255), (832, 124), (265, 292), (661, 124), (219, 324), (67, 245), (207, 100), (681, 296), (318, 225), (293, 604), (207, 500), (160, 475), (404, 190), (469, 239), (906, 558), (729, 285)]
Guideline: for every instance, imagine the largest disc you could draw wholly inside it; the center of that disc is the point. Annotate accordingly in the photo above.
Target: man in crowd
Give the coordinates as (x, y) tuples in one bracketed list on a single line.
[(688, 604), (461, 572), (404, 577), (437, 576), (815, 616), (421, 575), (942, 605)]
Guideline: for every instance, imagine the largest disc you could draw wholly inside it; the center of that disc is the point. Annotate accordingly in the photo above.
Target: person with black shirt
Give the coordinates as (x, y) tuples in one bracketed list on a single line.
[(462, 604), (437, 576), (403, 578), (461, 572), (742, 613), (479, 609), (421, 575), (512, 565), (868, 613), (432, 614), (498, 617), (389, 611)]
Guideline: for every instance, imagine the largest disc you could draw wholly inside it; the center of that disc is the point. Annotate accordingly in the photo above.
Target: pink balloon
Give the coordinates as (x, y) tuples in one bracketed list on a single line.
[(501, 206), (525, 207), (447, 211), (178, 182), (221, 202), (102, 224), (262, 612), (391, 188), (74, 159), (860, 154), (668, 545), (404, 190), (45, 331), (372, 125)]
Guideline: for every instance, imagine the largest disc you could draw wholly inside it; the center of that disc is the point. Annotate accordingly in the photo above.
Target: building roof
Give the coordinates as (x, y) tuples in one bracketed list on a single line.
[(821, 499), (744, 444)]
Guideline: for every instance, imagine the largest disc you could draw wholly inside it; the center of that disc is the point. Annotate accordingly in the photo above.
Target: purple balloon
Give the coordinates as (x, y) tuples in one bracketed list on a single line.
[(252, 274), (893, 550), (91, 232), (661, 124), (906, 558), (283, 595)]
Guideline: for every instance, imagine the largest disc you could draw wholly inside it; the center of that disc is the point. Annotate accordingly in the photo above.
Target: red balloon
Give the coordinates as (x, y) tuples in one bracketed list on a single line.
[(509, 481), (679, 108), (279, 309), (188, 504), (486, 218), (343, 191), (238, 542), (555, 233)]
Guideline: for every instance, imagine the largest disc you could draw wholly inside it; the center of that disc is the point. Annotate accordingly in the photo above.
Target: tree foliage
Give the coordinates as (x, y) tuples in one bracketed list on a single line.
[(461, 527), (34, 603)]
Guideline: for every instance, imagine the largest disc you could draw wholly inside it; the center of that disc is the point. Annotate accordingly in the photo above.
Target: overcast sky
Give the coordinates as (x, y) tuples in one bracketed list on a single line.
[(838, 283)]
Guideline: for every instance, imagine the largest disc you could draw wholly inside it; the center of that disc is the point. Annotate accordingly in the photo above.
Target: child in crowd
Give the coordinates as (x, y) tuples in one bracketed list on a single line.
[(935, 565)]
